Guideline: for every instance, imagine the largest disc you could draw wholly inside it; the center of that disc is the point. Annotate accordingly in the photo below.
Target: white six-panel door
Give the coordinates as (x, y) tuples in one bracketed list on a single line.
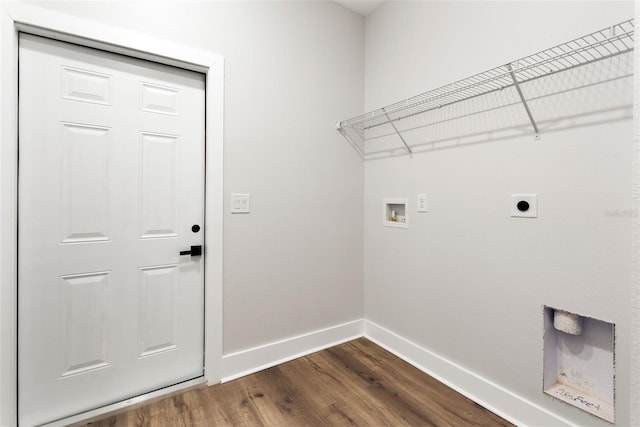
[(111, 185)]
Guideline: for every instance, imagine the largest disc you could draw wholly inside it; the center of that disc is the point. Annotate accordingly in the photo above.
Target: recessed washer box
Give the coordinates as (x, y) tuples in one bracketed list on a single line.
[(579, 362), (395, 212), (524, 205)]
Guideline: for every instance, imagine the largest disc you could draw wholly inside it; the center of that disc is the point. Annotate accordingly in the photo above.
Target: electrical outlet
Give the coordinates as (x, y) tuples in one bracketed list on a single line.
[(422, 202), (524, 205)]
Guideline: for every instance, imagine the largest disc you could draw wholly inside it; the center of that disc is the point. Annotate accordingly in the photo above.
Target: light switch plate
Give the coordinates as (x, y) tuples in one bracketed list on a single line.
[(524, 205), (240, 203), (422, 202)]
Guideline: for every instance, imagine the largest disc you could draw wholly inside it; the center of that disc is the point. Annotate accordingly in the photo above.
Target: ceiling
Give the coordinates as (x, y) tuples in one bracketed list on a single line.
[(363, 7)]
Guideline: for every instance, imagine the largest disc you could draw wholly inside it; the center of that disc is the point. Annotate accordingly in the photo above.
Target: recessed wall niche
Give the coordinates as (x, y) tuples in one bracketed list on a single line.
[(579, 361), (395, 212)]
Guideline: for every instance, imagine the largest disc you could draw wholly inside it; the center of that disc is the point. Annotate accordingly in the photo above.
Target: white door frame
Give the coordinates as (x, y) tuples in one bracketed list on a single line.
[(16, 17)]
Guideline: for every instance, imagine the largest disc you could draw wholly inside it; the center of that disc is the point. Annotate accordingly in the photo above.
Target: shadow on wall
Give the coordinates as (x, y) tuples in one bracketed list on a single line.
[(591, 94), (585, 82)]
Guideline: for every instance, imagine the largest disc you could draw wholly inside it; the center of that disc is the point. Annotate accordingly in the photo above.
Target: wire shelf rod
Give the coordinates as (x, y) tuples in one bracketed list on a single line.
[(456, 94), (582, 51), (417, 113), (451, 93), (450, 119), (518, 71), (501, 106)]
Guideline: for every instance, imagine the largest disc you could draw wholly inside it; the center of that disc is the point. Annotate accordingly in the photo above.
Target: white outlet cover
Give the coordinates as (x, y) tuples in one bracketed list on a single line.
[(240, 203), (524, 205), (422, 202)]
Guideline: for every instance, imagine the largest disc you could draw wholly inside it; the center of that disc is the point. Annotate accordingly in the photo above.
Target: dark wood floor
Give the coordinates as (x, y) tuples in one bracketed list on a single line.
[(353, 384)]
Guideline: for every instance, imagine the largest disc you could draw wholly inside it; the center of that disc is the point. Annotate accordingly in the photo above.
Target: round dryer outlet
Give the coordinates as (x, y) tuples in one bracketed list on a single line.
[(524, 205)]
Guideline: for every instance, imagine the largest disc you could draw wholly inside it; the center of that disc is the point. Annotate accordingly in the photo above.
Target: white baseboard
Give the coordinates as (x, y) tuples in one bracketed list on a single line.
[(239, 364), (495, 398)]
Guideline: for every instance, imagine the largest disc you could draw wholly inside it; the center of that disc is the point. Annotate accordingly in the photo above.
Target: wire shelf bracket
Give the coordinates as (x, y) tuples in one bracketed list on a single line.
[(398, 133), (524, 102), (433, 117)]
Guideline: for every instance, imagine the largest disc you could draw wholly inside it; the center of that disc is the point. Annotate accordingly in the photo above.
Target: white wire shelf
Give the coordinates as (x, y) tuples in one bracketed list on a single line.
[(510, 98)]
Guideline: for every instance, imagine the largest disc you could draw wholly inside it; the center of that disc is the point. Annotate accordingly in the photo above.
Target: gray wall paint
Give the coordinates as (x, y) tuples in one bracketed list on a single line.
[(466, 281), (635, 270), (294, 264)]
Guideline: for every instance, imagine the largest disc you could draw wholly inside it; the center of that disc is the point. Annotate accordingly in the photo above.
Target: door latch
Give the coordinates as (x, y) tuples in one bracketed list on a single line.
[(195, 251)]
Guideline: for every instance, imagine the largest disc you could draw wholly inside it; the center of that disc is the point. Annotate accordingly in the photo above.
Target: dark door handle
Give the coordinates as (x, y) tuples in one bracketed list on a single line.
[(195, 251)]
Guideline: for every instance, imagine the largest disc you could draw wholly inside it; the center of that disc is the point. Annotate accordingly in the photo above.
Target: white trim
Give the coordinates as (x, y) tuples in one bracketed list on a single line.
[(126, 405), (214, 211), (59, 26), (495, 398), (256, 359), (8, 221), (19, 16)]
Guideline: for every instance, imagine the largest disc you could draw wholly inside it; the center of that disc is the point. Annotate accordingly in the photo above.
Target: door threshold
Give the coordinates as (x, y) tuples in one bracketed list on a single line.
[(125, 405)]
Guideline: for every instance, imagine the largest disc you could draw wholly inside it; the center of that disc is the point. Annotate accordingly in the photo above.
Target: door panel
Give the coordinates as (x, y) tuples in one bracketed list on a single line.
[(111, 179), (158, 289), (84, 186), (158, 185), (84, 323), (87, 86)]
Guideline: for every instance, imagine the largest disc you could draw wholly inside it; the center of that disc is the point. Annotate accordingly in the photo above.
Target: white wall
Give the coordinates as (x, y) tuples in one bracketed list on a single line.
[(466, 281), (635, 271), (294, 264)]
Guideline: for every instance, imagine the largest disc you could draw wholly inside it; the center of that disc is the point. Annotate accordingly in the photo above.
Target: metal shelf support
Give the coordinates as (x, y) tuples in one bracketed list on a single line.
[(393, 130), (398, 133), (524, 102)]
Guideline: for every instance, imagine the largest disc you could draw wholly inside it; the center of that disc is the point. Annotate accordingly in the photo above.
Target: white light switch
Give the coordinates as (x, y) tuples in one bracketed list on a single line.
[(422, 202), (240, 203)]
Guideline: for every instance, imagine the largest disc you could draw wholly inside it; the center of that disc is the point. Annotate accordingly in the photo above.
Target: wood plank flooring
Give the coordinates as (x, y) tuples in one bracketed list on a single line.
[(353, 384)]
